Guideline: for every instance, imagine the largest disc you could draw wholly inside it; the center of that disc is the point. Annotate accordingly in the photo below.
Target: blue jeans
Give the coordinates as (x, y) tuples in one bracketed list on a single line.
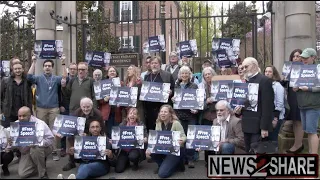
[(309, 119), (190, 153), (227, 148), (168, 164), (92, 170), (273, 136)]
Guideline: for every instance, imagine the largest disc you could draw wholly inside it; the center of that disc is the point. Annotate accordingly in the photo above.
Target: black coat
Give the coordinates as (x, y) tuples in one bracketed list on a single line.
[(253, 122), (7, 96)]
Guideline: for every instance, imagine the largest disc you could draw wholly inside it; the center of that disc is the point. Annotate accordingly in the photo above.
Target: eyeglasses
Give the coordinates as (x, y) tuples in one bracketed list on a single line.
[(82, 69)]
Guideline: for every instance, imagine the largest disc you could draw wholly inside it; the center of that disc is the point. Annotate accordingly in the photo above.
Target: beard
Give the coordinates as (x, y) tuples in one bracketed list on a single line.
[(221, 118), (248, 75), (154, 70)]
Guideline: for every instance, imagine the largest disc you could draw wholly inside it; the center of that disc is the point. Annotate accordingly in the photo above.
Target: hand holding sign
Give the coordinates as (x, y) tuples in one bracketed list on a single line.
[(34, 58), (304, 88), (63, 58)]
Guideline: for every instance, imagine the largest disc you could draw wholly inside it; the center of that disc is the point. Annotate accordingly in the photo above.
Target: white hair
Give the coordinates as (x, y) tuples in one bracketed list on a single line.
[(213, 72), (184, 69), (251, 60), (97, 71), (86, 100), (225, 104)]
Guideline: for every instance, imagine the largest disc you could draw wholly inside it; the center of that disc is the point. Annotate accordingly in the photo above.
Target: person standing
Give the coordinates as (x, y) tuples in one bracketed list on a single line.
[(148, 67), (173, 67), (256, 124), (64, 110), (160, 76), (48, 100), (15, 93), (309, 104), (279, 97), (79, 87)]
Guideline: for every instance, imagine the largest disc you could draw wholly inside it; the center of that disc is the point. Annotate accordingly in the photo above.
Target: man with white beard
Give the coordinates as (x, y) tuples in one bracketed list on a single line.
[(231, 134)]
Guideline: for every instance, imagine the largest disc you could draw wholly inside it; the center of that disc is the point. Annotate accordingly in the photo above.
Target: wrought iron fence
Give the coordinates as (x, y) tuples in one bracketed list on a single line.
[(122, 28)]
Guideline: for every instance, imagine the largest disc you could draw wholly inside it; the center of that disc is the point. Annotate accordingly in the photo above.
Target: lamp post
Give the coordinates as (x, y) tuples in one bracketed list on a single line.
[(163, 27), (254, 30), (84, 22)]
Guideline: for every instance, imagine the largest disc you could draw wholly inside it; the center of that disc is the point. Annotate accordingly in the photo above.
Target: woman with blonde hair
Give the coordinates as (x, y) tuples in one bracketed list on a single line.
[(134, 155), (132, 79), (168, 164)]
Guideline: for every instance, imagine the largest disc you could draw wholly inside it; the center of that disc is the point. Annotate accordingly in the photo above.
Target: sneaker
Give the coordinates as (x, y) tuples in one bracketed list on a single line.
[(72, 176), (69, 166), (60, 176), (55, 156)]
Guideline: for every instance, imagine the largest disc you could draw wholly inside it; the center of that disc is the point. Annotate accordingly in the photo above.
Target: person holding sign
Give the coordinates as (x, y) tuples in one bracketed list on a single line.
[(48, 94), (133, 80), (309, 104), (134, 155), (186, 116), (87, 111), (168, 164), (231, 140), (256, 124), (6, 152), (208, 113), (94, 168), (294, 112), (33, 158), (111, 115), (160, 76)]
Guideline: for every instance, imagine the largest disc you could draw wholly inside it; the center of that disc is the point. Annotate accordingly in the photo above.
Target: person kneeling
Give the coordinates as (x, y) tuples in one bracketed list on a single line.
[(6, 153), (94, 168), (231, 135), (134, 155), (33, 158), (168, 164)]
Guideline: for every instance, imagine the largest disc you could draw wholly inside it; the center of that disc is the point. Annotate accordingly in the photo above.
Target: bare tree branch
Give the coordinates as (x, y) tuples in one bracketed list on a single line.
[(18, 5)]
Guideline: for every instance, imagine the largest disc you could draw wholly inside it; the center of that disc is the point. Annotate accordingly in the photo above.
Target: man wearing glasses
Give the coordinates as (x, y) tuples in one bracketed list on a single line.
[(256, 124), (79, 87)]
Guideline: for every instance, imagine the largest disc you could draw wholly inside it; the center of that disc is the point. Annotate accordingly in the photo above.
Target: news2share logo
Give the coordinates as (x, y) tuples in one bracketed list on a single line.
[(264, 166)]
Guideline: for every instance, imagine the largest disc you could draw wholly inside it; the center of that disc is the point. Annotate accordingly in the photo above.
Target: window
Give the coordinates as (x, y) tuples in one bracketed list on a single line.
[(126, 11), (126, 42)]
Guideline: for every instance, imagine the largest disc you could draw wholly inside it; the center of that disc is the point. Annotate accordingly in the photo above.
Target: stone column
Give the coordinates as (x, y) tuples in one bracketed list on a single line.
[(300, 26), (44, 26), (279, 34), (65, 9)]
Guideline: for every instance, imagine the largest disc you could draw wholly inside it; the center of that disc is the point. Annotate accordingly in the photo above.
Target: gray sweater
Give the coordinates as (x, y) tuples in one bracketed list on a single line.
[(77, 91)]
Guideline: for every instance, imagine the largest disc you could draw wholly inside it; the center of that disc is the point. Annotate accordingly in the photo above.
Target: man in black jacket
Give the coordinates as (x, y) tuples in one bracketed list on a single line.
[(15, 93), (257, 123), (160, 76)]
